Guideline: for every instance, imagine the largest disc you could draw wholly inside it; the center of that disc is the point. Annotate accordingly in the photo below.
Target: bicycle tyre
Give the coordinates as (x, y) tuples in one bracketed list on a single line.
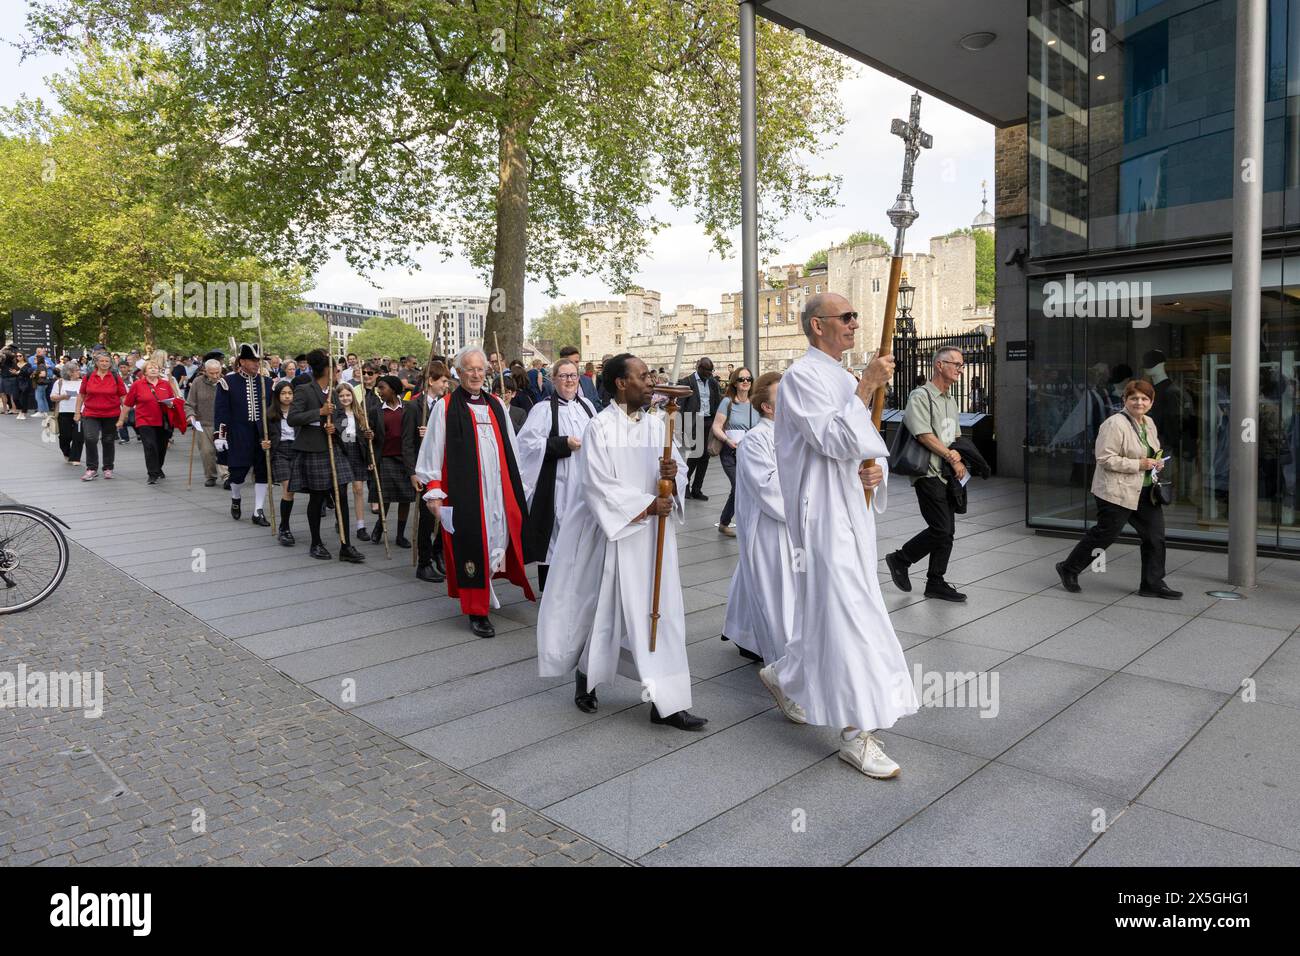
[(13, 517)]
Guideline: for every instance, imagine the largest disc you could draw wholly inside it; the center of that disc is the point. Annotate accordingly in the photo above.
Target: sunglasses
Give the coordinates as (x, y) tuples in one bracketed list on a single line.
[(846, 318), (743, 379)]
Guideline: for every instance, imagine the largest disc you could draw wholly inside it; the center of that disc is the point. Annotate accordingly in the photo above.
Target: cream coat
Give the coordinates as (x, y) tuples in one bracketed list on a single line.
[(1118, 478)]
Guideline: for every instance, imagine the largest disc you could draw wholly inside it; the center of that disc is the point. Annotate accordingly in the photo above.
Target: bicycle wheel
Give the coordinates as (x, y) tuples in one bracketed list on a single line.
[(33, 558)]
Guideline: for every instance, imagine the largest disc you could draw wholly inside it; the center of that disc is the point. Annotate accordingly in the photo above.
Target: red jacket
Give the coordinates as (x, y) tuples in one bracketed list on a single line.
[(148, 403), (102, 395)]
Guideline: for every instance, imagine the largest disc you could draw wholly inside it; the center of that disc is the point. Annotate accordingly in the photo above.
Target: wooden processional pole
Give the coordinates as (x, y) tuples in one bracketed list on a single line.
[(902, 214)]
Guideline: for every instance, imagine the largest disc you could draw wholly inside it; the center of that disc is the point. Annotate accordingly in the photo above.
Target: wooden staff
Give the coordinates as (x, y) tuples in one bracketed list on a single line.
[(379, 478), (501, 382), (886, 346), (665, 489), (189, 482), (263, 377), (334, 472)]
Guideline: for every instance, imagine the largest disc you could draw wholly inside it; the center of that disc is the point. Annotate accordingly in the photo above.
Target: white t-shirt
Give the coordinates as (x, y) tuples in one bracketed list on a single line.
[(69, 388)]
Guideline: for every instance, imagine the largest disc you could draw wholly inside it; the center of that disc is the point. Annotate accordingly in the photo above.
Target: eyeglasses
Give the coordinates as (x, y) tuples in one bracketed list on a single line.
[(957, 365), (740, 380), (846, 318), (568, 376)]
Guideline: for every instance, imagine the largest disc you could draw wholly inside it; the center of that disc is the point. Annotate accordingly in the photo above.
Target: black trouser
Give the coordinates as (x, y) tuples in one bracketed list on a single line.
[(696, 467), (316, 508), (70, 437), (936, 539), (155, 448), (97, 432), (424, 540), (1149, 523), (728, 458)]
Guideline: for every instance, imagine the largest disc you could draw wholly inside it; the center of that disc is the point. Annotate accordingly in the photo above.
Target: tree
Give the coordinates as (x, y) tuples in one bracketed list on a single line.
[(816, 260), (295, 332), (389, 338), (559, 324), (529, 134), (863, 237), (985, 266)]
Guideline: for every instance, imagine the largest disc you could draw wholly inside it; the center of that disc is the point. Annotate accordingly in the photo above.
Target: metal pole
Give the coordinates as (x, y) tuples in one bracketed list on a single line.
[(748, 187), (1247, 231)]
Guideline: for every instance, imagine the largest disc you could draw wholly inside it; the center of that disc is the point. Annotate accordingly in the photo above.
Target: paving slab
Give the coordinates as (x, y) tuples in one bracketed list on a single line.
[(1216, 655), (1143, 836)]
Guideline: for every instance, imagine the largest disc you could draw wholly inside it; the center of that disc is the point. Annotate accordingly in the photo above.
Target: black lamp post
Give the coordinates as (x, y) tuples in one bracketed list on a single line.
[(906, 333)]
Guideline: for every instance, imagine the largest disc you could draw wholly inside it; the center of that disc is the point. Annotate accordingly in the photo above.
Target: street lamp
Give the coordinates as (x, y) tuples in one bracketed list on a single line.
[(906, 331)]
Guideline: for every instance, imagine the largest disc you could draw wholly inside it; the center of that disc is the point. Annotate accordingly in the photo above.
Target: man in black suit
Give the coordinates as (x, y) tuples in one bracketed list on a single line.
[(702, 403)]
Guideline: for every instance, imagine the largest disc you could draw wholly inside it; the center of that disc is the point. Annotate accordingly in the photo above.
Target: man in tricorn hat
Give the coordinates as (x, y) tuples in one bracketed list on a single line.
[(240, 406)]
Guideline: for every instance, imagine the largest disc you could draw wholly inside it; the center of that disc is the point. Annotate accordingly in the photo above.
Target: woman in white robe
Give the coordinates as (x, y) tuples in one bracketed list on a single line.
[(760, 603)]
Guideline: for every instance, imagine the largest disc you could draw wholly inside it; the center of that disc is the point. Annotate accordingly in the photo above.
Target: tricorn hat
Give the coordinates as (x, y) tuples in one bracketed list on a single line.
[(214, 354), (247, 351)]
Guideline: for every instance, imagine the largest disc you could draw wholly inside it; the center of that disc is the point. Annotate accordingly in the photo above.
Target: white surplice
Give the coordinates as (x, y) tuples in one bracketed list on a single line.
[(595, 612), (531, 444), (843, 664), (428, 467), (760, 603)]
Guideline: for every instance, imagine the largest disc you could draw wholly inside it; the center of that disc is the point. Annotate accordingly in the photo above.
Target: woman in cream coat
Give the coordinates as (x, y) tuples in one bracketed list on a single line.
[(1128, 461)]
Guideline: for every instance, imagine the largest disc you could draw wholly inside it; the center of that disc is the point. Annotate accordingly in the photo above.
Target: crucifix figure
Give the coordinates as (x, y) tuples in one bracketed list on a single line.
[(902, 214)]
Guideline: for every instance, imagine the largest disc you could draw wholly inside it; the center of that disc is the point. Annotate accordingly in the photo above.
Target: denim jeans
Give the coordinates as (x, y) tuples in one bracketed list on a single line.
[(97, 432)]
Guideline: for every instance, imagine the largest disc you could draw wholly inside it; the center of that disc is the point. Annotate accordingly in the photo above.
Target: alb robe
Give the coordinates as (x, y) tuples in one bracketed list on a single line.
[(533, 441), (760, 603), (843, 664), (503, 550), (595, 611)]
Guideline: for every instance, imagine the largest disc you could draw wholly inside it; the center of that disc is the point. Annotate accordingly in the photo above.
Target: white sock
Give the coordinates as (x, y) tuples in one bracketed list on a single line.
[(236, 491), (259, 496), (848, 733), (361, 523)]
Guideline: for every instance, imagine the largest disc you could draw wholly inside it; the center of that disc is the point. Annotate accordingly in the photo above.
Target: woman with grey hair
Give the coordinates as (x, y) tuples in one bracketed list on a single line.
[(64, 398)]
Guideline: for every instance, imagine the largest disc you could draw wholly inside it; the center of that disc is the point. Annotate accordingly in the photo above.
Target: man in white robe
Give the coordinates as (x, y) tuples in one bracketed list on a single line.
[(760, 603), (595, 612), (843, 666), (551, 435), (473, 487)]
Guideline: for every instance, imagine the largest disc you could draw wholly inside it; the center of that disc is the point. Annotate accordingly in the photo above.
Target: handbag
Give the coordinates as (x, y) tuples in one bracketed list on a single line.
[(714, 444), (1162, 492), (907, 456)]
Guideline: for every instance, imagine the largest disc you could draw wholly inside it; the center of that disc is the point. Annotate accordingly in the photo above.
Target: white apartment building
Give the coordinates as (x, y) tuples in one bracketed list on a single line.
[(456, 320)]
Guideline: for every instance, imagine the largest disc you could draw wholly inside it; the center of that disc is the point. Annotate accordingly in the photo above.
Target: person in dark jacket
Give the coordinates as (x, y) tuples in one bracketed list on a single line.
[(415, 426), (698, 410)]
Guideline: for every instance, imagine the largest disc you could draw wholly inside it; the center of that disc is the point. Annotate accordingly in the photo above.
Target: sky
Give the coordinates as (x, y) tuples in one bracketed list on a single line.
[(680, 265)]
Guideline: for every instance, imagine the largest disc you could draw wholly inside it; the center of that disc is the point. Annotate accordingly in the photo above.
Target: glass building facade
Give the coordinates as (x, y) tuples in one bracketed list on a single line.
[(1130, 136)]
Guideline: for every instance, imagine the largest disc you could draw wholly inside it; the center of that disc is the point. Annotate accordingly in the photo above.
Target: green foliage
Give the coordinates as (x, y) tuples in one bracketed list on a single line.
[(530, 135), (295, 332), (560, 324), (863, 237), (815, 260), (985, 268), (389, 338)]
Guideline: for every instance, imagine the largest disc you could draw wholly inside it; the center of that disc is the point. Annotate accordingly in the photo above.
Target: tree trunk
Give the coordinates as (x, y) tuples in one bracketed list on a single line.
[(505, 321), (148, 331), (103, 327)]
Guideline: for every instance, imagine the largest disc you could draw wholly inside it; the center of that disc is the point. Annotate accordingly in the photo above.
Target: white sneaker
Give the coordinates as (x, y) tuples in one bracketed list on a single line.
[(793, 712), (864, 753)]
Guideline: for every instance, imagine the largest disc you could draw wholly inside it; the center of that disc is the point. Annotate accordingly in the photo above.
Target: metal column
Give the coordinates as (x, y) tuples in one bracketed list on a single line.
[(748, 189), (1247, 230)]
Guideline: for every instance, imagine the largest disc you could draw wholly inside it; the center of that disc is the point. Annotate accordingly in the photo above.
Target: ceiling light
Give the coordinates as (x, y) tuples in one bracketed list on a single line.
[(977, 41), (1101, 76), (1051, 42)]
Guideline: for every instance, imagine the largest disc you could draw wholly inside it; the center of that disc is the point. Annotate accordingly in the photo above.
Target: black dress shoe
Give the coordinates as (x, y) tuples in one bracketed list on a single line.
[(682, 720), (401, 542), (1069, 579), (700, 496), (349, 553), (236, 509), (161, 475), (943, 591), (898, 571), (210, 483), (363, 534), (438, 563), (427, 572), (320, 552), (481, 626), (377, 536), (259, 519), (153, 480), (584, 698), (226, 483), (286, 538), (1168, 593), (749, 655)]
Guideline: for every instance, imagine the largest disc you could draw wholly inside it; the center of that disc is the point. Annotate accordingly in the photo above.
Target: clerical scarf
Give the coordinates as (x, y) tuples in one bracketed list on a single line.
[(541, 516), (462, 468)]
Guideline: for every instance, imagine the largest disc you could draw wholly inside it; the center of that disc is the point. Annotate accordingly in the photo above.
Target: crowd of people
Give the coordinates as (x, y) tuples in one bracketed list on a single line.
[(484, 467)]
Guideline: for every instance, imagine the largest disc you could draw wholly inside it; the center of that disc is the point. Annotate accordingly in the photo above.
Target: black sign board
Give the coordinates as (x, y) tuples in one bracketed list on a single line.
[(33, 330), (1021, 351)]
